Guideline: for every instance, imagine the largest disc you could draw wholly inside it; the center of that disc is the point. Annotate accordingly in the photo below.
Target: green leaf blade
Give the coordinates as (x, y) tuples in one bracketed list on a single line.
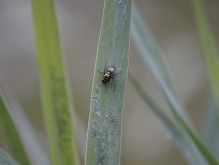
[(104, 132), (209, 46), (12, 136), (57, 108)]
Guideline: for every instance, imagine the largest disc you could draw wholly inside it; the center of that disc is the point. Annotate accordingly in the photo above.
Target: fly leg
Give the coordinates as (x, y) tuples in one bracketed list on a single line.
[(101, 81), (113, 81), (100, 72)]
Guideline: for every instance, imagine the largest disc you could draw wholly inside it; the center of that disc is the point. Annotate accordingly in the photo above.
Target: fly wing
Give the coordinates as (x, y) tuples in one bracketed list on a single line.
[(117, 71), (108, 65)]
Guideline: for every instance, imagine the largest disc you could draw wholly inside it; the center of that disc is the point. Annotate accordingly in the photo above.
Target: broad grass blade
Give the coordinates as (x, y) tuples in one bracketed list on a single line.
[(55, 93), (104, 130)]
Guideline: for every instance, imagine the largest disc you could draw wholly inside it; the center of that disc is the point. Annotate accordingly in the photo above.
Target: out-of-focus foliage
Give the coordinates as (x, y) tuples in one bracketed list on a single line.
[(55, 93), (12, 136), (5, 159)]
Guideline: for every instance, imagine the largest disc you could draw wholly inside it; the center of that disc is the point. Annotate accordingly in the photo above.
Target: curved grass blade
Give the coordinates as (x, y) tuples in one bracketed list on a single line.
[(57, 109), (175, 133), (6, 159), (209, 157), (155, 108), (151, 55), (12, 136), (209, 46), (104, 130), (33, 147), (157, 111), (150, 52)]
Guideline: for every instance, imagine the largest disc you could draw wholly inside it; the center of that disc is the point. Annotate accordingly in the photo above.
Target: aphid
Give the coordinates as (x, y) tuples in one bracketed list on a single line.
[(109, 73)]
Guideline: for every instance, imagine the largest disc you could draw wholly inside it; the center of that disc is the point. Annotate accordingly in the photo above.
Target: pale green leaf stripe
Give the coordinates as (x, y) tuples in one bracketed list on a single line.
[(57, 109), (104, 130), (209, 47), (151, 55), (11, 135), (6, 159)]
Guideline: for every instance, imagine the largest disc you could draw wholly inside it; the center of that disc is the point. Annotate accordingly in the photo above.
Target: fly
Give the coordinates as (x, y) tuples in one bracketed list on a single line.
[(109, 73)]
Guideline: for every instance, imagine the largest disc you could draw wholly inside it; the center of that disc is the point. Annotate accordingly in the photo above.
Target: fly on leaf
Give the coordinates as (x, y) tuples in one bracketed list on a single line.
[(109, 73)]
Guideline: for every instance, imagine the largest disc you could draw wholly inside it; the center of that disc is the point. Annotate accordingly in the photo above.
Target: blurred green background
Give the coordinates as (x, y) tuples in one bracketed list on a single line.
[(144, 139)]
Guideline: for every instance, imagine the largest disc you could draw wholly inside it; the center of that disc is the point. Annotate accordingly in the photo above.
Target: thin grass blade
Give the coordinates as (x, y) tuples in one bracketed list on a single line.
[(35, 151), (152, 57), (5, 159), (208, 156), (150, 52), (57, 109), (211, 129), (168, 125), (104, 132), (209, 46), (11, 135)]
